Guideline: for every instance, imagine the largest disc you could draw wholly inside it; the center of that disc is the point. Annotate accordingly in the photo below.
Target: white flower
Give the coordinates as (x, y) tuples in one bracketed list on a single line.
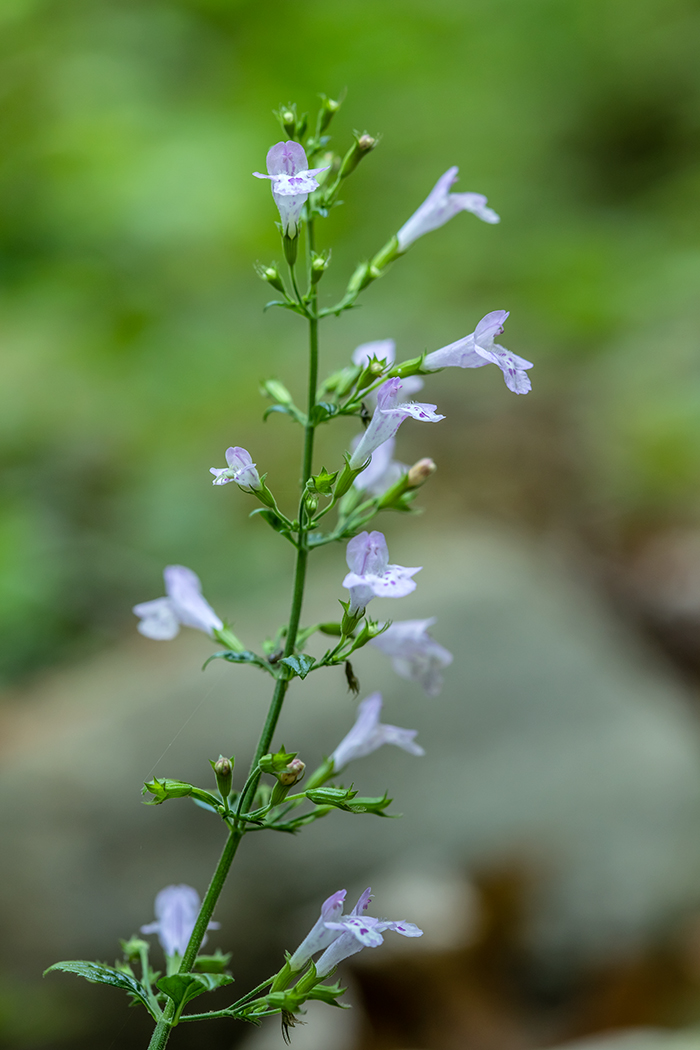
[(439, 207), (383, 471), (292, 181), (161, 618), (479, 349), (369, 733), (388, 417), (414, 654), (358, 931), (241, 469), (176, 908), (371, 574)]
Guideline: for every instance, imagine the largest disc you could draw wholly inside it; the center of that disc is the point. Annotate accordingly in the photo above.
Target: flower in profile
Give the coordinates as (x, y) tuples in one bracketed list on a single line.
[(368, 734), (358, 931), (439, 207), (383, 470), (240, 469), (371, 575), (320, 936), (414, 654), (388, 417), (176, 908), (292, 181), (479, 349), (184, 606)]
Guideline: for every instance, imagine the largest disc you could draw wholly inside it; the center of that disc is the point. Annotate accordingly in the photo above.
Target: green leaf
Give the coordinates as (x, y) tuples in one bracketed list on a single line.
[(286, 410), (98, 973), (215, 963), (300, 664), (323, 411), (234, 657), (183, 987)]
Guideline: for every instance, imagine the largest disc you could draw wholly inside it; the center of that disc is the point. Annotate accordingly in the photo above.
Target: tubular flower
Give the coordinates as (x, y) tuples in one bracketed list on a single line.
[(414, 654), (320, 936), (241, 469), (478, 349), (439, 207), (382, 472), (184, 606), (388, 417), (368, 734), (176, 908), (371, 575), (292, 181), (358, 931)]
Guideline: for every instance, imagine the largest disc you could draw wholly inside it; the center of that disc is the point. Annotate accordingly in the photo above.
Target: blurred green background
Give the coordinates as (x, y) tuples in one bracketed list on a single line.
[(130, 315)]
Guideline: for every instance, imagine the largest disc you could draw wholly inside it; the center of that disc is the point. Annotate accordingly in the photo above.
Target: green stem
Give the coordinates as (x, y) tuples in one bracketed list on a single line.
[(162, 1031)]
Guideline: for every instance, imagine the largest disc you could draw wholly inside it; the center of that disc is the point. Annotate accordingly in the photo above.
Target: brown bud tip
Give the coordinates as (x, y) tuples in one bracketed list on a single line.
[(292, 773), (420, 472), (366, 143), (223, 766)]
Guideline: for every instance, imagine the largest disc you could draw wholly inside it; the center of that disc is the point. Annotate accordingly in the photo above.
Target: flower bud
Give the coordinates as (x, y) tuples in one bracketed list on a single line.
[(292, 773), (420, 472), (277, 391), (362, 145), (319, 265), (223, 771), (271, 275), (329, 108)]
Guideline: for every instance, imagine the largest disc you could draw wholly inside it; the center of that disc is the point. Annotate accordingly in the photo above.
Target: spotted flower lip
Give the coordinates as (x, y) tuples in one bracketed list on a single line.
[(414, 654), (292, 181), (388, 417), (369, 734), (184, 606), (440, 206), (479, 348), (176, 908), (371, 575), (357, 931), (240, 469)]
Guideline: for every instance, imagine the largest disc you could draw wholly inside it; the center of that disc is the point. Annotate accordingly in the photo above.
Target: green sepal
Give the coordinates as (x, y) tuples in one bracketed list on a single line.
[(165, 789), (328, 993), (133, 947), (215, 963), (299, 665), (276, 762), (324, 481), (183, 987), (234, 657), (349, 801), (98, 973)]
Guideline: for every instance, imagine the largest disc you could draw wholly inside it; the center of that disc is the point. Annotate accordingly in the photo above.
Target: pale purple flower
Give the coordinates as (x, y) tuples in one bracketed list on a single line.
[(383, 471), (184, 606), (320, 936), (357, 931), (176, 908), (439, 207), (371, 575), (368, 734), (478, 349), (240, 469), (292, 181), (414, 654), (388, 417)]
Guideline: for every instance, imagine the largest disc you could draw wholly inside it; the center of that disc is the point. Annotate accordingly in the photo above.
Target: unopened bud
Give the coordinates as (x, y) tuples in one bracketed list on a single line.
[(367, 143), (420, 472), (329, 108), (271, 275), (362, 145), (223, 771), (292, 773), (319, 265), (288, 120)]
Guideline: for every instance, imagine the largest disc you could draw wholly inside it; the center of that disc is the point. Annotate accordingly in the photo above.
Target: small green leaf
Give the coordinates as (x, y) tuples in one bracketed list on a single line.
[(98, 973), (215, 963), (300, 664), (182, 987), (323, 411), (234, 657)]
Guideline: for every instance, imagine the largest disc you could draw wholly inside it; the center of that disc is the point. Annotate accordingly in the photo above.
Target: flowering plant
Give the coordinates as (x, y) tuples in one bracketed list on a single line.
[(306, 176)]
